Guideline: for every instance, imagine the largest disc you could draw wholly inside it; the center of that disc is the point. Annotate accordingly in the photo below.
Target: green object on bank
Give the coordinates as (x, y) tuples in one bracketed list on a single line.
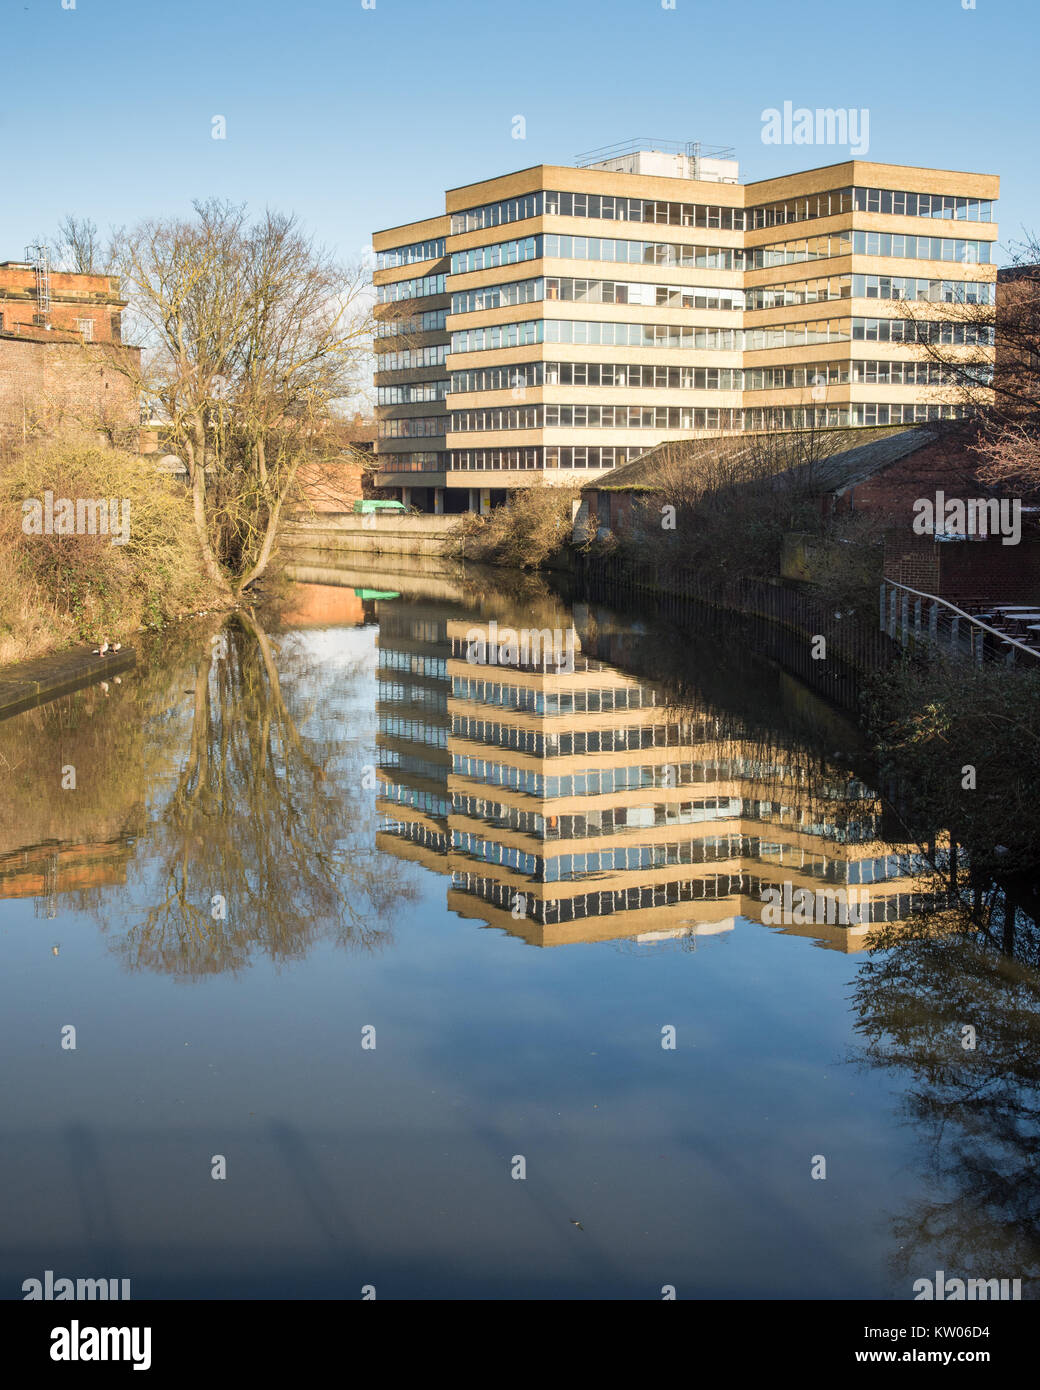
[(372, 504)]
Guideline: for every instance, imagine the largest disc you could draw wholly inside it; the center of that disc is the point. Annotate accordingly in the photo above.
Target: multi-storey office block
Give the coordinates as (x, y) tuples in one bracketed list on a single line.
[(556, 322)]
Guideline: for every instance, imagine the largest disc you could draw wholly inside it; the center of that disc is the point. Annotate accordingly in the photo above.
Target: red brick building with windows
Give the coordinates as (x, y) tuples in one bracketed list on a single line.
[(63, 363)]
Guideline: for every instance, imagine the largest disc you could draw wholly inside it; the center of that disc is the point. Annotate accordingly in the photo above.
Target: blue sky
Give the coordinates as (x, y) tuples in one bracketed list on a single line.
[(358, 119)]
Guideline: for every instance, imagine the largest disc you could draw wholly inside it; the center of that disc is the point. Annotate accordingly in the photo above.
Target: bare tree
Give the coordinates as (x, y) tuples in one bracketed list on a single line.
[(252, 336), (79, 248), (988, 356)]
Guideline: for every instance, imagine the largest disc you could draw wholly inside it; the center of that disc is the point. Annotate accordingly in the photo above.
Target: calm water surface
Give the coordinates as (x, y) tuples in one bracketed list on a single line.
[(283, 834)]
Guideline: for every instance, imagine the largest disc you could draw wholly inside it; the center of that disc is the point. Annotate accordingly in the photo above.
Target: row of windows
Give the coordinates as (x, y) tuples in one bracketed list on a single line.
[(420, 800), (913, 331), (709, 418), (593, 334), (518, 697), (885, 414), (416, 834), (521, 459), (867, 371), (495, 296), (888, 201), (598, 782), (518, 377), (595, 205), (410, 661), (921, 248), (598, 249), (933, 291), (415, 251), (403, 326), (604, 902), (871, 287), (491, 852), (652, 335), (677, 417), (571, 867), (922, 204), (436, 700), (921, 373), (412, 394), (415, 729), (427, 461), (407, 358), (390, 758), (638, 292), (609, 821), (829, 203), (692, 297), (416, 428), (534, 417), (582, 291), (545, 745), (418, 288), (418, 629), (721, 257), (815, 248), (528, 248), (799, 292)]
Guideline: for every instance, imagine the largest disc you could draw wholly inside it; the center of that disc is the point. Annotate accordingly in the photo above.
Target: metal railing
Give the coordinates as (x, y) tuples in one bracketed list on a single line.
[(911, 616)]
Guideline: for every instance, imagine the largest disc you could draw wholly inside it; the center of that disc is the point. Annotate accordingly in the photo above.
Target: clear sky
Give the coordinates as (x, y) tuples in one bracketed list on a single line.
[(358, 118)]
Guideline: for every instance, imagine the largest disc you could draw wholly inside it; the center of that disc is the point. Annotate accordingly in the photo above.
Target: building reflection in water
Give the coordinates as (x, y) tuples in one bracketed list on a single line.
[(587, 805)]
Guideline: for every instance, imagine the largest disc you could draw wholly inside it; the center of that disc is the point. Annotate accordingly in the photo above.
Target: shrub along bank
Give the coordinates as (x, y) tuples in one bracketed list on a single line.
[(95, 545)]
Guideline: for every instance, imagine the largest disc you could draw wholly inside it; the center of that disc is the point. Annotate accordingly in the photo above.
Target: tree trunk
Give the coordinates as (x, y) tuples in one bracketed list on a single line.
[(264, 557), (197, 475)]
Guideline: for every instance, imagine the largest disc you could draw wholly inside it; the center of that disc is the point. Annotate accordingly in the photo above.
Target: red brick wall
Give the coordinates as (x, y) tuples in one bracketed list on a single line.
[(332, 487), (966, 572), (73, 297), (46, 387), (944, 466)]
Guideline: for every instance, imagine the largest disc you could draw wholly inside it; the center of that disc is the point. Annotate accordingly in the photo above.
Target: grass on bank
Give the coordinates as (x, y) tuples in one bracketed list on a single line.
[(61, 590)]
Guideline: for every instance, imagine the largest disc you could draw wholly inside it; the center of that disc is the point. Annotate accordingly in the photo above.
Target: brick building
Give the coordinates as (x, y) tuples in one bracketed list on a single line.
[(884, 479), (63, 363)]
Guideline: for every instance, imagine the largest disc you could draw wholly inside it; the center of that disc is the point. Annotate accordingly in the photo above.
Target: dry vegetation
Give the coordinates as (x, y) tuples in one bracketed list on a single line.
[(59, 590), (525, 532)]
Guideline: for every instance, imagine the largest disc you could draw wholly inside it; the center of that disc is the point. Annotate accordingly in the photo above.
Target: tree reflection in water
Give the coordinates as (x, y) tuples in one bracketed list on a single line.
[(261, 846), (977, 1109)]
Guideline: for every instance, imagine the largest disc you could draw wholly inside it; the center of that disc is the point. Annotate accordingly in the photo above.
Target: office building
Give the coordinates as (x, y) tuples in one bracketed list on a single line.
[(555, 322)]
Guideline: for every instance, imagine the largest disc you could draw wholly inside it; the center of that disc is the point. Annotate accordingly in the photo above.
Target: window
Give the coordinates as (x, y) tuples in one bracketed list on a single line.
[(86, 327)]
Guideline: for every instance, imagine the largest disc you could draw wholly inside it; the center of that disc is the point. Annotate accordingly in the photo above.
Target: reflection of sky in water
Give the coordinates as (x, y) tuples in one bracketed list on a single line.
[(392, 1167)]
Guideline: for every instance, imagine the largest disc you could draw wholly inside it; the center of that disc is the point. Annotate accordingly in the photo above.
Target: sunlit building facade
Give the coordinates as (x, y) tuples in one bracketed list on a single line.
[(556, 322)]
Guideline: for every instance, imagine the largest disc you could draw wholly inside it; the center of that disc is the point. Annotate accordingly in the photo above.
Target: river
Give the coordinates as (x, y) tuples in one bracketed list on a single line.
[(390, 967)]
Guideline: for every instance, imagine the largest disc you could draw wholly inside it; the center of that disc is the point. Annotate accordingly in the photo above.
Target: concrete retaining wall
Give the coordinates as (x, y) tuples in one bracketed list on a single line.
[(426, 534)]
